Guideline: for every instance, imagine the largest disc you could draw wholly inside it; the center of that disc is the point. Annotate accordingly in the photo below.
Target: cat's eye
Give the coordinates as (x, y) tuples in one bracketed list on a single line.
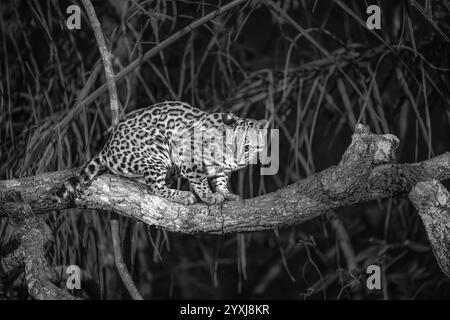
[(228, 119)]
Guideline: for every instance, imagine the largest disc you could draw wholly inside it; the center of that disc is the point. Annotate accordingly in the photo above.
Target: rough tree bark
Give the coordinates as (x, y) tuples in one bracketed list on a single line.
[(33, 235), (364, 173), (432, 201)]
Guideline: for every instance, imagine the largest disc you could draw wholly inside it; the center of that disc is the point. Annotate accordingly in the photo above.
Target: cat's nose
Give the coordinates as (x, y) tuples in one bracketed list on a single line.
[(262, 124)]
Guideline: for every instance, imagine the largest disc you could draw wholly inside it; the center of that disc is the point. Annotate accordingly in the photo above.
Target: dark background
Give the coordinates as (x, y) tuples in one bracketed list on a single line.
[(256, 63)]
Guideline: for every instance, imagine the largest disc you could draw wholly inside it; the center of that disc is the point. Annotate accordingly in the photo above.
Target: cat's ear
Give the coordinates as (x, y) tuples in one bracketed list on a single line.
[(228, 119), (262, 124)]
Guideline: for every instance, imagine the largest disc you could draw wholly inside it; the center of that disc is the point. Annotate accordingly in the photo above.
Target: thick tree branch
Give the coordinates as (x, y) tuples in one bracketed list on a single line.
[(362, 175), (432, 201), (33, 234)]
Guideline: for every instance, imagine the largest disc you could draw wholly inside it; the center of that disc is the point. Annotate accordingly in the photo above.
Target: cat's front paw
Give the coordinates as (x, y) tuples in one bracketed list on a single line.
[(230, 196), (185, 197), (214, 198)]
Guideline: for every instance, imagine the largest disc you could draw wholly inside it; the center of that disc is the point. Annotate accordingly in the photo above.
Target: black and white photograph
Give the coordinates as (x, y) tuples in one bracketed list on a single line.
[(220, 156)]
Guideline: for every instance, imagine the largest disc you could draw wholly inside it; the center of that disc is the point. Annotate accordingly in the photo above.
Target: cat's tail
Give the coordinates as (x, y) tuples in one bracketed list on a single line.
[(73, 187)]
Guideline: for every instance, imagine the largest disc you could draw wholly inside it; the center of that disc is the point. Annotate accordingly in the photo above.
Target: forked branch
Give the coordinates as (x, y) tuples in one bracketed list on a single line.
[(366, 172)]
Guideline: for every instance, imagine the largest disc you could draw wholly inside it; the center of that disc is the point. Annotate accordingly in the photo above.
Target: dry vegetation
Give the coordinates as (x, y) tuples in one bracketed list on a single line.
[(311, 67)]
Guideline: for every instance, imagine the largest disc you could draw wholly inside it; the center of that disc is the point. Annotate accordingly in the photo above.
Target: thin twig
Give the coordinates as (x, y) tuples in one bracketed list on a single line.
[(152, 52), (114, 105), (109, 72), (120, 263)]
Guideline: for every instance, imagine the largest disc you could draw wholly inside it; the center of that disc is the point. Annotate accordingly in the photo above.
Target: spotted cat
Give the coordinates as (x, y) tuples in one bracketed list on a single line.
[(173, 139)]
